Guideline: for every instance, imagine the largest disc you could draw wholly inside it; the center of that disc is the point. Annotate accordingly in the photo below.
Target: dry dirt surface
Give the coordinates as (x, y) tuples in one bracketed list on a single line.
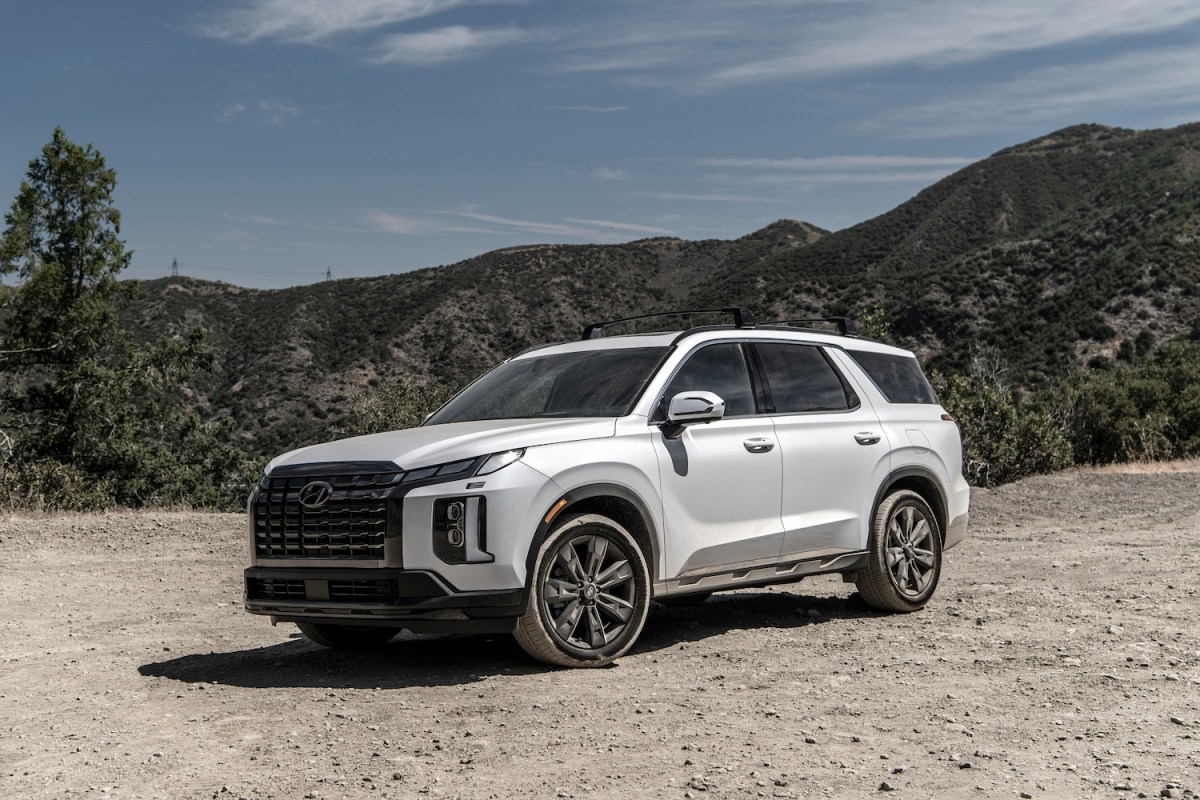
[(1059, 658)]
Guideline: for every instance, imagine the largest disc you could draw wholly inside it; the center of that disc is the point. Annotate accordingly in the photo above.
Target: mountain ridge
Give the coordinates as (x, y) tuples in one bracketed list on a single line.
[(1049, 255)]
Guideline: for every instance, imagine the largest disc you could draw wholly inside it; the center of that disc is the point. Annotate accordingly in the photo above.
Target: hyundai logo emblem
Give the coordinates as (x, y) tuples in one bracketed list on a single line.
[(315, 494)]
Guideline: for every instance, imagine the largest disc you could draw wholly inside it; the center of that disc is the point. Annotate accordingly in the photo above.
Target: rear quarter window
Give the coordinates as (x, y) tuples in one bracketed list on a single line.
[(899, 377)]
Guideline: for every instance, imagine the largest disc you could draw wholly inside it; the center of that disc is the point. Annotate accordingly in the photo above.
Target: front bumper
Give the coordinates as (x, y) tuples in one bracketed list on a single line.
[(421, 601)]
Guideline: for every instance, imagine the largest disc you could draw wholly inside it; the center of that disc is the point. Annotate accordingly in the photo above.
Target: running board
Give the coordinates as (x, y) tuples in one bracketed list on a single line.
[(781, 572)]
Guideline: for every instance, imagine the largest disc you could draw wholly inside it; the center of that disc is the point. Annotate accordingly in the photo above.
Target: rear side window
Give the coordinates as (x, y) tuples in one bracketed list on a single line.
[(898, 377), (800, 378)]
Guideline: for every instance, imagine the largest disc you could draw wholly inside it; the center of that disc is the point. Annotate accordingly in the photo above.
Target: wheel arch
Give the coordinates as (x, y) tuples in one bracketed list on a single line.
[(610, 500), (922, 481)]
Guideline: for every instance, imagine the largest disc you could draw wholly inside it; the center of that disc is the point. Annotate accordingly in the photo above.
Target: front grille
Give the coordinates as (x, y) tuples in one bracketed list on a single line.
[(340, 591), (276, 589), (363, 591), (352, 524)]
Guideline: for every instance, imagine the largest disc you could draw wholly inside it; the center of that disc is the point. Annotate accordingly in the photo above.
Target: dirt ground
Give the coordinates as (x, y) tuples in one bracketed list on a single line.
[(1059, 658)]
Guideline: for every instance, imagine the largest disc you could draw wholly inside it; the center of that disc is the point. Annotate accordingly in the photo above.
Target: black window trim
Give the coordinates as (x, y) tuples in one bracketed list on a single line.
[(658, 414), (847, 390), (759, 384)]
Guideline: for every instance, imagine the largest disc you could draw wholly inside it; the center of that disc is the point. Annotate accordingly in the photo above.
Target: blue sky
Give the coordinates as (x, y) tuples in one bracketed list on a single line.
[(262, 142)]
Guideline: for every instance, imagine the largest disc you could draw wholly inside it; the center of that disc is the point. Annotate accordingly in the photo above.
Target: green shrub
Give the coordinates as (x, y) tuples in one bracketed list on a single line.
[(1005, 438)]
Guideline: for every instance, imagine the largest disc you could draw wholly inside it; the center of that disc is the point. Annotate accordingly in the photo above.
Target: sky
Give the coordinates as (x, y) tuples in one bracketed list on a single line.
[(270, 143)]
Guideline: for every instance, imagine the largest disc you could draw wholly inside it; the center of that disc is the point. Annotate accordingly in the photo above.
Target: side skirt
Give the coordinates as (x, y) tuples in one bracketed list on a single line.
[(762, 575)]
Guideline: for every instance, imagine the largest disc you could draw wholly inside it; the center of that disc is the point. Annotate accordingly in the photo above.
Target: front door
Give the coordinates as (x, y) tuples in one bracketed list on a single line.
[(721, 481)]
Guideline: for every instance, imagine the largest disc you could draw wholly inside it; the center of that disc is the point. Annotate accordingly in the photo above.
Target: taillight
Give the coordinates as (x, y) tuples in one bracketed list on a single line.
[(948, 418)]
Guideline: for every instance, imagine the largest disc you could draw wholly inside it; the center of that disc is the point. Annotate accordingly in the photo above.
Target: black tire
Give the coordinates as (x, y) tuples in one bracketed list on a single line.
[(589, 594), (905, 560), (346, 637), (683, 600)]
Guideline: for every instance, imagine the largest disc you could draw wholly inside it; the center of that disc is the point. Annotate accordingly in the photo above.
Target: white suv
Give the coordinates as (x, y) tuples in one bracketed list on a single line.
[(562, 491)]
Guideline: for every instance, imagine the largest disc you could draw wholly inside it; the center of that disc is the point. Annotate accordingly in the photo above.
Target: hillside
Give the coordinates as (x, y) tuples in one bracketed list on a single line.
[(1065, 250), (1048, 253)]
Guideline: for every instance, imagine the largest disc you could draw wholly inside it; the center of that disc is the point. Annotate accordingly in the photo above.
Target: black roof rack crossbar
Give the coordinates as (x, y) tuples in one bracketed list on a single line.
[(742, 318), (845, 325)]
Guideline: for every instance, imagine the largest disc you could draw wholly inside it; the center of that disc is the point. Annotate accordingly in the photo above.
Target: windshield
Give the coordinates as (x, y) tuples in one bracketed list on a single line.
[(595, 383)]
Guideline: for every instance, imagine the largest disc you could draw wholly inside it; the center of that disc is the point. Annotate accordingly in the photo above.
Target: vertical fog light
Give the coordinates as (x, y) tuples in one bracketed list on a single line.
[(460, 530)]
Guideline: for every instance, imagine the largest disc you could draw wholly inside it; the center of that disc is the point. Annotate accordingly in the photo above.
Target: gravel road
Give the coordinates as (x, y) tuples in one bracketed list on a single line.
[(1060, 658)]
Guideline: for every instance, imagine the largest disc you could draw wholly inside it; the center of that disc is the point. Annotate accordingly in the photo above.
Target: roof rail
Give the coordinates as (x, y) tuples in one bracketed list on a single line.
[(845, 325), (742, 318)]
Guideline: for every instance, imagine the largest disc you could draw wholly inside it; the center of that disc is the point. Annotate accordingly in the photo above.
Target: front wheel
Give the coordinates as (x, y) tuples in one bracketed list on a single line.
[(346, 637), (905, 558), (589, 594)]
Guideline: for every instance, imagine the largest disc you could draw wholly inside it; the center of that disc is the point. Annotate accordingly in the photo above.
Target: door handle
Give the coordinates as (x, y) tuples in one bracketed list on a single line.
[(866, 437), (759, 445)]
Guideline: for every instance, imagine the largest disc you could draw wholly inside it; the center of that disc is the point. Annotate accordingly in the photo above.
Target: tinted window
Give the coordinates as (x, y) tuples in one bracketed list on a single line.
[(802, 379), (598, 383), (721, 369), (898, 377)]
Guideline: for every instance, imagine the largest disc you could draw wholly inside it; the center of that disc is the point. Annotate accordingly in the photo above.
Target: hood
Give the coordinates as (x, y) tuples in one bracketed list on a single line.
[(437, 444)]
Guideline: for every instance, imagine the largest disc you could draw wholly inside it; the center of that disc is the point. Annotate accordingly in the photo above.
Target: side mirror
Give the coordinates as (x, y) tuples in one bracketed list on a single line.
[(689, 408)]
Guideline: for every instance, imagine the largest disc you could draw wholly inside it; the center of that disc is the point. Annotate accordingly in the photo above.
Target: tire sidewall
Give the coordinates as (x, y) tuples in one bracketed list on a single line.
[(574, 527), (884, 514)]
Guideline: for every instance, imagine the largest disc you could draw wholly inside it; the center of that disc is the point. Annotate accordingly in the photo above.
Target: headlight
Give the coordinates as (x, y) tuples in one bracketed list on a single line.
[(499, 461)]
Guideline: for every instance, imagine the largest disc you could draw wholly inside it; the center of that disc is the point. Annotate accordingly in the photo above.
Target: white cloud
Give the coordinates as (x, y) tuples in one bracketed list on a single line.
[(590, 109), (707, 197), (447, 44), (570, 228), (709, 44), (1164, 78), (609, 174), (259, 219), (387, 222), (837, 162), (316, 20), (263, 112), (622, 226), (812, 178)]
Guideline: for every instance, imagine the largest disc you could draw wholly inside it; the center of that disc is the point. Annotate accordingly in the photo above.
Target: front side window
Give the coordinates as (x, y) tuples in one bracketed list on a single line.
[(597, 383), (720, 369), (800, 378)]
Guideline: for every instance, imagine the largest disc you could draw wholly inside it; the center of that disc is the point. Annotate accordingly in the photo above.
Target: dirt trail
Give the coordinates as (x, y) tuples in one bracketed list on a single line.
[(1060, 658)]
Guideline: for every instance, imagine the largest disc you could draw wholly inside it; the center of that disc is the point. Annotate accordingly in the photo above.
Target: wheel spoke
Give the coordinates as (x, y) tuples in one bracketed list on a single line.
[(921, 533), (617, 607), (921, 578), (566, 622), (902, 574), (596, 628), (925, 558), (907, 523), (569, 560), (894, 556), (560, 591), (618, 572), (895, 534), (596, 551)]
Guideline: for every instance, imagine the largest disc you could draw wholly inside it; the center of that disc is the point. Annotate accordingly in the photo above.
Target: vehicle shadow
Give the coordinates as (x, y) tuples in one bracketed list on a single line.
[(427, 660)]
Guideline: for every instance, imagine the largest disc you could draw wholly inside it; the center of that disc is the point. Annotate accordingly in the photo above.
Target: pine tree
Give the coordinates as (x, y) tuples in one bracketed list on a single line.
[(91, 420)]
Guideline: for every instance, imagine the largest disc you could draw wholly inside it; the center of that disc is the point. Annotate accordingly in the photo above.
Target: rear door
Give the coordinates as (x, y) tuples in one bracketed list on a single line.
[(833, 447)]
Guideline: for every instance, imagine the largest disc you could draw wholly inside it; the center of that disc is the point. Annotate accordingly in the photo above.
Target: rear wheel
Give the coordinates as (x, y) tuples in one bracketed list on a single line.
[(346, 637), (589, 594), (905, 559)]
